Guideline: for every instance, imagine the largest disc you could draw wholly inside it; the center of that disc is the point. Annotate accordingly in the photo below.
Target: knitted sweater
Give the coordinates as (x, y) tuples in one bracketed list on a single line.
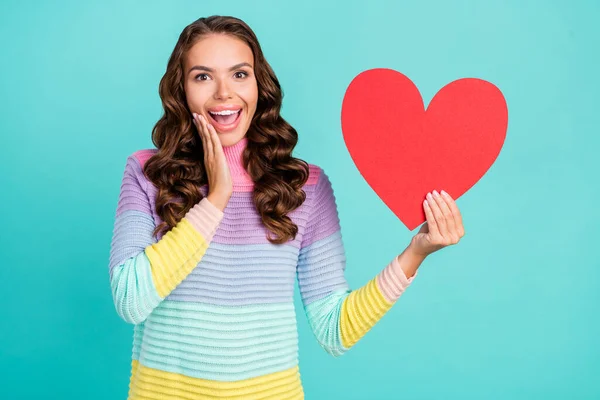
[(212, 299)]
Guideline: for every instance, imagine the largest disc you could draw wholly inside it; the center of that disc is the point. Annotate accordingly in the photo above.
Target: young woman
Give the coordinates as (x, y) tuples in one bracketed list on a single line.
[(215, 224)]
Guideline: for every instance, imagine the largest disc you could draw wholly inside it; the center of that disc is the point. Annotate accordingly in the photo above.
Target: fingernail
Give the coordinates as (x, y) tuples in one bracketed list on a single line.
[(435, 193), (429, 196), (445, 194)]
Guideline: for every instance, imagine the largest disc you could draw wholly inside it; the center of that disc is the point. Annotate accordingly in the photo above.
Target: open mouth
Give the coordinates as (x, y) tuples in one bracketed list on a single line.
[(226, 118)]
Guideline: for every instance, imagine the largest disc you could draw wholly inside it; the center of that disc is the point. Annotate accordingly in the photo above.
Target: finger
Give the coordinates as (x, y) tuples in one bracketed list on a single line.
[(432, 225), (198, 125), (209, 151), (455, 213), (439, 216), (214, 137), (449, 218)]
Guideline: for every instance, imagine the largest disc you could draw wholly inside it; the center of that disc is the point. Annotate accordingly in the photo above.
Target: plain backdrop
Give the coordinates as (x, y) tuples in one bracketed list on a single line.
[(511, 312)]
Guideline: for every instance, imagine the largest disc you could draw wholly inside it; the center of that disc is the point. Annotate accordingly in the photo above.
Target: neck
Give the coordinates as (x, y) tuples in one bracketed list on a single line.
[(233, 155)]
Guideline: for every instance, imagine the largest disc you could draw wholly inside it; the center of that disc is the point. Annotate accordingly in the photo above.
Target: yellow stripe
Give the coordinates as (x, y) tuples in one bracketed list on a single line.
[(174, 256), (149, 383), (360, 311)]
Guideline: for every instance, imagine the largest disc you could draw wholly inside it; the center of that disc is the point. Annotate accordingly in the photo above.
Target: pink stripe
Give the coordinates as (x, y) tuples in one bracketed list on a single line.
[(313, 174), (205, 218), (242, 182), (143, 155), (392, 280)]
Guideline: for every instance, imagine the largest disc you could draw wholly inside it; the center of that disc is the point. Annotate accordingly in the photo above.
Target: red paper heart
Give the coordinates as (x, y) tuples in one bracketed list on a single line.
[(404, 152)]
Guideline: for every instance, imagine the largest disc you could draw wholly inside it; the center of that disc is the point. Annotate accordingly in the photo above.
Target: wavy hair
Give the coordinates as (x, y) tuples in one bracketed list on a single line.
[(177, 169)]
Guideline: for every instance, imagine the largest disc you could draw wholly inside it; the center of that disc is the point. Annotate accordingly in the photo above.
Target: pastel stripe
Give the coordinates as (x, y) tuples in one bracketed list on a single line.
[(360, 311), (324, 219), (219, 342), (133, 189), (242, 182), (175, 255), (239, 275), (393, 281), (321, 268), (324, 318), (151, 383), (133, 290), (205, 218), (241, 224), (131, 235)]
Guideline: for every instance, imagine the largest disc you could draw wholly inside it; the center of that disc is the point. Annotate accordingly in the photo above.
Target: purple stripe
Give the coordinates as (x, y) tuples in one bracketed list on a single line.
[(133, 225), (324, 220), (234, 275), (241, 224), (133, 194), (321, 268)]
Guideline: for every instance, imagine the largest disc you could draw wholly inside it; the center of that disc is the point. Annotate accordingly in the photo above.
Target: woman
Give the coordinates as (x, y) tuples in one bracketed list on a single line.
[(214, 226)]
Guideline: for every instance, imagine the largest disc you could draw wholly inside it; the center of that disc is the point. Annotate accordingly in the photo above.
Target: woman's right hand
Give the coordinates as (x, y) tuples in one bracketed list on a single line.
[(220, 185)]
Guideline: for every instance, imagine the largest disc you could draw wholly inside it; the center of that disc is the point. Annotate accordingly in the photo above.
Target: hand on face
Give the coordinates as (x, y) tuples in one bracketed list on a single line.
[(220, 184)]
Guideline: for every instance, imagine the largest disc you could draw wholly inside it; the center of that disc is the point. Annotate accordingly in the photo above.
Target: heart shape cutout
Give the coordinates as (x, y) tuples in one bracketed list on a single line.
[(404, 151)]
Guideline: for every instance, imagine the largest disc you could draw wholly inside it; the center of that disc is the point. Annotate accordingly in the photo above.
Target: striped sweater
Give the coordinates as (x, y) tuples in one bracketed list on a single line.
[(212, 299)]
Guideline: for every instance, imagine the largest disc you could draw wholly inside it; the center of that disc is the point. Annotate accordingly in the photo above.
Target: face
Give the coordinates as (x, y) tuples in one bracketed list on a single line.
[(220, 85)]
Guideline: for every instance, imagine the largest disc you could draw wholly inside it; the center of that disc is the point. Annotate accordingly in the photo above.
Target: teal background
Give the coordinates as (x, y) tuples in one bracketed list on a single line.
[(511, 312)]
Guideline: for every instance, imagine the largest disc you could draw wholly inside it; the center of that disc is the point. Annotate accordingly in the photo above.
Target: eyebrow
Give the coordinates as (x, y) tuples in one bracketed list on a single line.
[(203, 68)]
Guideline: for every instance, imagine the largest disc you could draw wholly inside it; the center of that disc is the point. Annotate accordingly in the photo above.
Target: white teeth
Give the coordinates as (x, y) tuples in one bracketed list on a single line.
[(224, 112)]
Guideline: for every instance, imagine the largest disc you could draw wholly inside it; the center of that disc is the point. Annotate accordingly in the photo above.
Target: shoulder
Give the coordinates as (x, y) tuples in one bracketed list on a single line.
[(137, 159), (314, 173), (321, 205), (318, 182), (141, 156), (134, 165)]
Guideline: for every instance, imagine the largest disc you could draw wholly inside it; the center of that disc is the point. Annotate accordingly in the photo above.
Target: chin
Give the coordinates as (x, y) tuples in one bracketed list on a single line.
[(225, 142), (229, 141)]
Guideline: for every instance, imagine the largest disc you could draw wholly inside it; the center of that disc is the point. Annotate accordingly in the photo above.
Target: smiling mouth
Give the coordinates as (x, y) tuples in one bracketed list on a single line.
[(227, 119)]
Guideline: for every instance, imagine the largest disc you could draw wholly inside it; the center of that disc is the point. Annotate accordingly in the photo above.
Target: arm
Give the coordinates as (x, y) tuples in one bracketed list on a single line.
[(144, 271), (337, 315)]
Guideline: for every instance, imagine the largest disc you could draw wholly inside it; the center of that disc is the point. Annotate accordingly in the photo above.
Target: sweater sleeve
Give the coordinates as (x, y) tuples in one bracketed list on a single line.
[(338, 315), (142, 270)]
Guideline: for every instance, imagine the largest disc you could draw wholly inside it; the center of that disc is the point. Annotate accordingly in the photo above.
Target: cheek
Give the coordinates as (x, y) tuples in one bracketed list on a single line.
[(250, 93), (196, 98), (251, 97)]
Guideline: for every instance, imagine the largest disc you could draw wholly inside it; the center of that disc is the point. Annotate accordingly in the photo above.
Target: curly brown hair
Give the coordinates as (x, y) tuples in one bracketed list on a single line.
[(177, 169)]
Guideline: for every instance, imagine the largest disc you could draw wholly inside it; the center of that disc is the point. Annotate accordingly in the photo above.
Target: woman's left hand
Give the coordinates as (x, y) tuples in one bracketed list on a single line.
[(444, 225)]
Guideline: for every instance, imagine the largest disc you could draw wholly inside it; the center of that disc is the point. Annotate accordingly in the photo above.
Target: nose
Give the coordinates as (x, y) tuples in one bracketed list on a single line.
[(223, 91)]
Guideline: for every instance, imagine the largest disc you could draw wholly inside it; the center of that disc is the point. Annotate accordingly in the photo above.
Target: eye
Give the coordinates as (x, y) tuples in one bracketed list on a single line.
[(242, 72), (199, 75)]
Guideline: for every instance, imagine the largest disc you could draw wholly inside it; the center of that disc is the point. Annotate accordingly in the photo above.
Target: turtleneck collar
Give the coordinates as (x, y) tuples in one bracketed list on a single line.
[(233, 155)]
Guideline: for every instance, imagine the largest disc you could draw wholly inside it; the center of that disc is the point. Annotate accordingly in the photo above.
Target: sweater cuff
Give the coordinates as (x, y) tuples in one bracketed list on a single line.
[(205, 217), (392, 280)]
